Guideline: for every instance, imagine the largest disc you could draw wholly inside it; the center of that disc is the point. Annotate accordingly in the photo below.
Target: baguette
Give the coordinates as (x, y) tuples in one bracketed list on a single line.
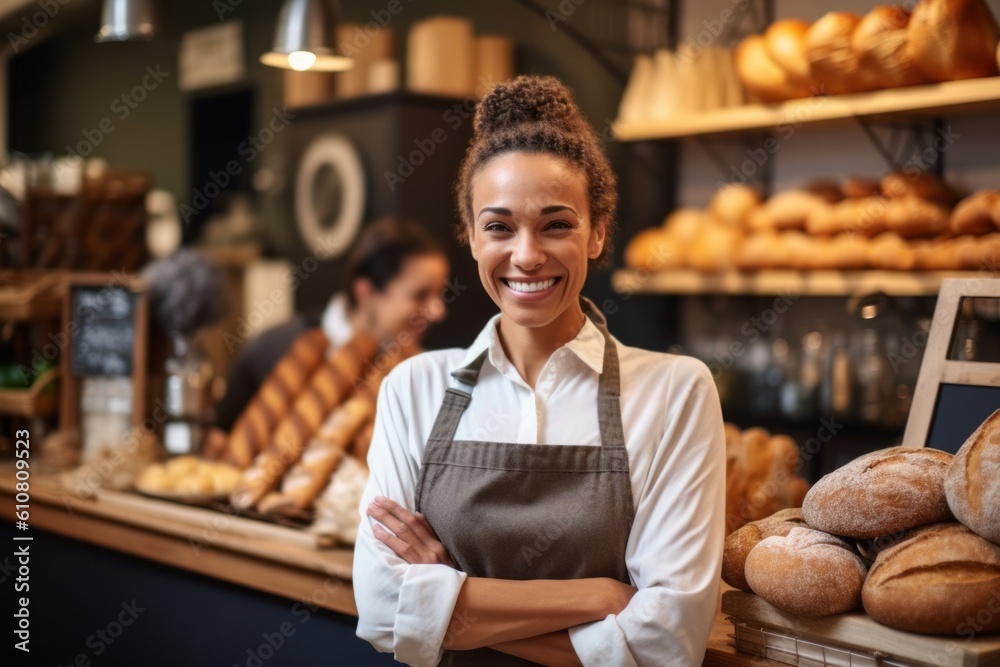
[(253, 429), (327, 448), (327, 387)]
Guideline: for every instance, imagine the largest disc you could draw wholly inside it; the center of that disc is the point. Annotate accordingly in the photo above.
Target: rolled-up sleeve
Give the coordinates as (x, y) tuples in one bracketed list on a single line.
[(402, 609), (674, 551)]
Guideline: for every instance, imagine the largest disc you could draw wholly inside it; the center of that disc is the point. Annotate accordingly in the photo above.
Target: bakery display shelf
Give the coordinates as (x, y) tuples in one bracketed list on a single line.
[(948, 98), (784, 281), (851, 639)]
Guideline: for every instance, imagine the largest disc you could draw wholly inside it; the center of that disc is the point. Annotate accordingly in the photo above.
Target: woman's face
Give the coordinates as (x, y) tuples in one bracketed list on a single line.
[(410, 302), (532, 235)]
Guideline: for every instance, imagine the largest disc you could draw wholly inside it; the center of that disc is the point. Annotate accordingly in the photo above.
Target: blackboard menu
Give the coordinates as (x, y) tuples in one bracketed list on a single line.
[(102, 330)]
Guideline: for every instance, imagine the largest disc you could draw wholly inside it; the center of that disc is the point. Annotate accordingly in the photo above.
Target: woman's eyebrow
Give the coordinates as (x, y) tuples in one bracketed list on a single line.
[(495, 209), (557, 208)]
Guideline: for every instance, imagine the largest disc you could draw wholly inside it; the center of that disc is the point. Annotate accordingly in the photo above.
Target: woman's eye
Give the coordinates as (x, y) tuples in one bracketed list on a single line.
[(559, 224), (496, 227)]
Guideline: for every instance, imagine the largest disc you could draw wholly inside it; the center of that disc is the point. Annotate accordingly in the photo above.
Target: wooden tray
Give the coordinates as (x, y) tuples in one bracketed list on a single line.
[(34, 401), (202, 519), (857, 631)]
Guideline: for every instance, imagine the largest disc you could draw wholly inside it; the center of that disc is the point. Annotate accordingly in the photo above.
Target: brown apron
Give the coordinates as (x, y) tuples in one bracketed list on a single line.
[(511, 511)]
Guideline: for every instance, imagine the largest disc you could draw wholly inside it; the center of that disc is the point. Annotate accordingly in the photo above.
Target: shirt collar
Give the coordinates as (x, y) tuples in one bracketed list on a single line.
[(334, 321), (588, 346)]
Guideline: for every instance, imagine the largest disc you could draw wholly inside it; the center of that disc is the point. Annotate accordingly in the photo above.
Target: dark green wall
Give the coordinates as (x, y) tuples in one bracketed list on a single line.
[(66, 85)]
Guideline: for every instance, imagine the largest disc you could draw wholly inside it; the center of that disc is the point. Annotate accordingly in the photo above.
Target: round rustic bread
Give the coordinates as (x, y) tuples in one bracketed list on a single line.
[(807, 572), (972, 485), (739, 543), (880, 493), (938, 581)]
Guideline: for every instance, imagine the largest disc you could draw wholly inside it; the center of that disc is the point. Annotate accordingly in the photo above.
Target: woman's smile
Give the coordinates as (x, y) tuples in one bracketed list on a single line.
[(531, 289)]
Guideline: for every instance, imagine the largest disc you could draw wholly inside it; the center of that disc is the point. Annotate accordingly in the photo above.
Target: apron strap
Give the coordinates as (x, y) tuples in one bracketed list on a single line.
[(609, 409), (456, 401), (609, 413)]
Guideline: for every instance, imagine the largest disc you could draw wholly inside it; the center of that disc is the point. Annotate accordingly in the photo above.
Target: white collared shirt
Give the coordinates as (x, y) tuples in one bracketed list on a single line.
[(676, 448), (335, 323)]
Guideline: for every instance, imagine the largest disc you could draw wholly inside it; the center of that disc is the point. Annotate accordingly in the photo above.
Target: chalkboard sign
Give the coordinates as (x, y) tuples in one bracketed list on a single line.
[(105, 317), (104, 335), (954, 395)]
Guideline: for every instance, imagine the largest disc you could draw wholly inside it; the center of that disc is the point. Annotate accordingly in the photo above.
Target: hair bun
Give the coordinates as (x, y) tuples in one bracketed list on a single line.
[(527, 99)]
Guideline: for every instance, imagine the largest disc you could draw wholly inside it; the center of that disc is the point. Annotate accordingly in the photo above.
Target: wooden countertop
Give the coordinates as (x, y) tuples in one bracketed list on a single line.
[(321, 577)]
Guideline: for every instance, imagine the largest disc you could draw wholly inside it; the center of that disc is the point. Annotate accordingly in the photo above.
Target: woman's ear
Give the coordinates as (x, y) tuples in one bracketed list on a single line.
[(471, 241), (362, 289), (596, 243)]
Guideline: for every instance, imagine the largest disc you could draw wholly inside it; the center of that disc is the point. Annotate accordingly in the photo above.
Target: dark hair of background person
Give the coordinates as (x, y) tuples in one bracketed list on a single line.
[(383, 247), (537, 114)]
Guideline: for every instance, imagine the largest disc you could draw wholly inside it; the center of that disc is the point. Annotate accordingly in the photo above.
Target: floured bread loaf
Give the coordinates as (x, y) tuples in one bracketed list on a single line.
[(740, 543), (806, 572), (937, 581), (881, 493), (972, 484)]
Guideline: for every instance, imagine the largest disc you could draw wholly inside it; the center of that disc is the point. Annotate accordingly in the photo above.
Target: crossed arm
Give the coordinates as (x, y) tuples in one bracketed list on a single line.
[(527, 619)]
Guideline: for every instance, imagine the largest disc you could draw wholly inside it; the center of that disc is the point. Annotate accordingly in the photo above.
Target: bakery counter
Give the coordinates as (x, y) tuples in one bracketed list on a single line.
[(248, 588)]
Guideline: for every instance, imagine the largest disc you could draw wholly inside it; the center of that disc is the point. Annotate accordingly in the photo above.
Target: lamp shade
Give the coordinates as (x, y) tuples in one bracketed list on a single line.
[(304, 38), (123, 20)]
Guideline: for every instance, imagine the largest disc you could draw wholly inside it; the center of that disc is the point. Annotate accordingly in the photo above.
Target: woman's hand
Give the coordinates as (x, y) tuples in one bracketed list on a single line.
[(412, 538)]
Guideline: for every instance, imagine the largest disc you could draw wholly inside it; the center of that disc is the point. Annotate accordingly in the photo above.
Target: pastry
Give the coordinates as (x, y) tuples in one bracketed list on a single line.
[(762, 76), (920, 184), (881, 41), (976, 214), (654, 250), (954, 39), (833, 63), (785, 40), (732, 204), (915, 217)]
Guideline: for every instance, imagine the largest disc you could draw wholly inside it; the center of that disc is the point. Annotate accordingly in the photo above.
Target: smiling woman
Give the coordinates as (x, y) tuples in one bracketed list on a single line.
[(547, 495)]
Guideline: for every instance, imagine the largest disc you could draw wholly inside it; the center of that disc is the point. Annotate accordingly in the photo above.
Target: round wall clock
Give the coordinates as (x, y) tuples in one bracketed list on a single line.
[(329, 195)]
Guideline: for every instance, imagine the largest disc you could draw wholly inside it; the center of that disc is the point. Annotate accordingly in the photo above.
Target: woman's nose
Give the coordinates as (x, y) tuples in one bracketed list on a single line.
[(435, 310), (527, 253)]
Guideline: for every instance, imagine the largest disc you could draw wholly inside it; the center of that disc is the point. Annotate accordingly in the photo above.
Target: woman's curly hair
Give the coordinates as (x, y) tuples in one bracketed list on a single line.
[(537, 114)]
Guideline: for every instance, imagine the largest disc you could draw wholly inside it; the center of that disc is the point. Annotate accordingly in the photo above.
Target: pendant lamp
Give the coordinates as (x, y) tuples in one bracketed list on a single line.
[(304, 38), (123, 20)]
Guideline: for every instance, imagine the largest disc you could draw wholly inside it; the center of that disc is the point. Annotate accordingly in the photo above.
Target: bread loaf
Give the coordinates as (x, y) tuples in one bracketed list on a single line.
[(919, 184), (739, 543), (857, 187), (912, 217), (939, 581), (806, 572), (937, 255), (655, 250), (833, 63), (850, 251), (732, 204), (972, 484), (762, 76), (790, 208), (889, 251), (715, 248), (825, 189), (764, 250), (327, 387), (785, 40), (252, 431), (685, 224), (881, 41), (880, 493), (954, 39), (980, 253), (976, 214)]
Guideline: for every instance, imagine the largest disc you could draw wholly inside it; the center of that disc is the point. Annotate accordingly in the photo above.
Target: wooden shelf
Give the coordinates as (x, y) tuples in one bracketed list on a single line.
[(949, 98), (804, 283)]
